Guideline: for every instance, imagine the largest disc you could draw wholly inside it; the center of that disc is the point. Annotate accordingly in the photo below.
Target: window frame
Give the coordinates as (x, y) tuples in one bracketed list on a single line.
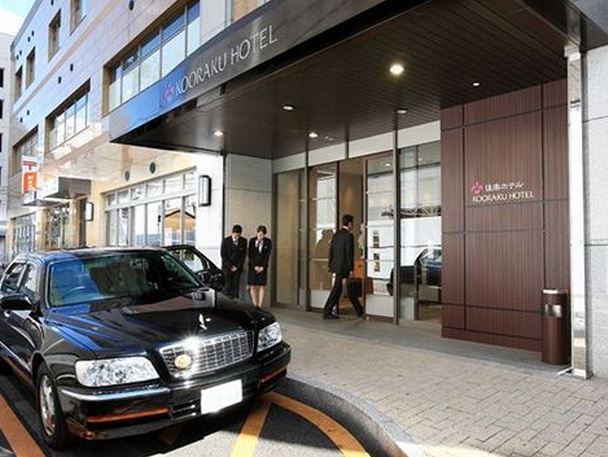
[(74, 20), (30, 68), (55, 33)]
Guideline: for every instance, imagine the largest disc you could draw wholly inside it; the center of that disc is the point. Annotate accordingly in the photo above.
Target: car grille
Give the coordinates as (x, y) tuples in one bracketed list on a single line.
[(209, 353)]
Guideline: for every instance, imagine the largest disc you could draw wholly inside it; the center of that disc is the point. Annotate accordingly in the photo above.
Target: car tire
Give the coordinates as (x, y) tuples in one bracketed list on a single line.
[(52, 421)]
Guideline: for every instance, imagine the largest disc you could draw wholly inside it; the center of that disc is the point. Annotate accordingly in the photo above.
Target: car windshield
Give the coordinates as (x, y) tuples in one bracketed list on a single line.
[(134, 277)]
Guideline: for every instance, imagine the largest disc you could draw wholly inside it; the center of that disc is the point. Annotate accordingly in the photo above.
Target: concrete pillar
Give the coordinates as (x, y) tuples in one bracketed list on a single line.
[(248, 200), (595, 129)]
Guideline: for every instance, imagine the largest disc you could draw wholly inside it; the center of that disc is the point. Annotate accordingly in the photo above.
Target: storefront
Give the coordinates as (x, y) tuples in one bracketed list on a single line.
[(441, 126)]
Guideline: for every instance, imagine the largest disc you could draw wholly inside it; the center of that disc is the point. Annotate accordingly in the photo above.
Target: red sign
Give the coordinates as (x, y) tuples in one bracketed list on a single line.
[(29, 174)]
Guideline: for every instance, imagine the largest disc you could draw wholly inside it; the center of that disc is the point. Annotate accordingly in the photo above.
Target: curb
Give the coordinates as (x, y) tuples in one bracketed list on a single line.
[(354, 413)]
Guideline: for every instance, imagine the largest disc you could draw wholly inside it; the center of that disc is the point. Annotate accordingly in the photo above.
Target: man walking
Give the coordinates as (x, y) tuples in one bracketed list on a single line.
[(233, 252), (341, 264)]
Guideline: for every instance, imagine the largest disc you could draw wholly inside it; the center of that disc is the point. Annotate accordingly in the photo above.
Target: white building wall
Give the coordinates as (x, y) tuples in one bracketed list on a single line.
[(595, 130), (5, 142)]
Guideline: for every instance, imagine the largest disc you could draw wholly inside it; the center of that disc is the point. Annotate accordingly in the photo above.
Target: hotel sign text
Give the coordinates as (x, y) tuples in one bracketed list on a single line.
[(500, 192)]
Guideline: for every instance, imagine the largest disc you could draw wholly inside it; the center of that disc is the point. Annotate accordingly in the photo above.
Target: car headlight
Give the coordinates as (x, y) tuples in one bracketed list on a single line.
[(113, 372), (269, 336)]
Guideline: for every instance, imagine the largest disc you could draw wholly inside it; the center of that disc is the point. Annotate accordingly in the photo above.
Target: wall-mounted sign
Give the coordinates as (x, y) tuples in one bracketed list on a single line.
[(204, 190), (29, 174), (500, 192)]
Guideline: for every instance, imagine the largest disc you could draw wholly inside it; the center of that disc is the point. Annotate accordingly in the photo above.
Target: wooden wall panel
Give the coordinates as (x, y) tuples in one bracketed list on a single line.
[(507, 323), (522, 216), (557, 254), (555, 93), (505, 151), (504, 270), (556, 152), (452, 183), (453, 274), (522, 101), (499, 255)]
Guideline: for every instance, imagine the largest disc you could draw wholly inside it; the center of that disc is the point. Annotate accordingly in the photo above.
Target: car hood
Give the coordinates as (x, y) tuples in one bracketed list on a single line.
[(132, 329)]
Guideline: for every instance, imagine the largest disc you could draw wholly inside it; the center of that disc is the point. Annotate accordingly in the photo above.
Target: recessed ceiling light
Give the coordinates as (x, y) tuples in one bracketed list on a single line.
[(397, 69), (401, 111), (328, 138), (288, 107), (476, 84), (313, 135), (218, 133)]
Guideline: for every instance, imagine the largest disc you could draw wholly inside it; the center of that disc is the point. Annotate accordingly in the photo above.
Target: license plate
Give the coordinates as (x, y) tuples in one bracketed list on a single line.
[(221, 396)]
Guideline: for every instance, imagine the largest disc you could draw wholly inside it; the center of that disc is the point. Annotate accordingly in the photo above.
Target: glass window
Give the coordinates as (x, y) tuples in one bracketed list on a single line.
[(10, 281), (30, 281), (150, 70), (78, 12), (154, 223), (194, 27), (136, 278), (123, 227), (174, 184), (18, 83), (150, 45), (190, 180), (70, 122), (111, 199), (421, 254), (190, 219), (139, 225), (123, 196), (138, 192), (54, 35), (130, 84), (173, 52), (154, 188), (173, 222), (114, 95), (60, 128), (322, 223), (173, 27), (129, 61), (112, 228), (81, 113), (30, 68)]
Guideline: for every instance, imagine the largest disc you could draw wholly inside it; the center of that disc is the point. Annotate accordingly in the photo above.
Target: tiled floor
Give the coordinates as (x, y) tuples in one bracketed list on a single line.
[(454, 398)]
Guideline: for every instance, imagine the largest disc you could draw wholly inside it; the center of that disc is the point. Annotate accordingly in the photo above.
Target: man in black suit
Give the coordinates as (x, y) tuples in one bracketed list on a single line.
[(341, 264), (233, 251)]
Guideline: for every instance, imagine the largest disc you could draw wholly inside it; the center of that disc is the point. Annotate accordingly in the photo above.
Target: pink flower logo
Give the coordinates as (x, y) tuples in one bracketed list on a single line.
[(477, 188), (169, 93)]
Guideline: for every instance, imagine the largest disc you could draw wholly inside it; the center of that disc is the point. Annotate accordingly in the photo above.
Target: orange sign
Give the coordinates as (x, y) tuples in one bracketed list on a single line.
[(30, 179), (29, 174)]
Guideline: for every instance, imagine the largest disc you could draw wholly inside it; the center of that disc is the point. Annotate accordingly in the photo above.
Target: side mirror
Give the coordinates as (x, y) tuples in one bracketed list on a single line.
[(204, 297), (16, 303)]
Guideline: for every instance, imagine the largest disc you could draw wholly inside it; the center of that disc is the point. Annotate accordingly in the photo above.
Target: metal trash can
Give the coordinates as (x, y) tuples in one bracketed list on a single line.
[(556, 327)]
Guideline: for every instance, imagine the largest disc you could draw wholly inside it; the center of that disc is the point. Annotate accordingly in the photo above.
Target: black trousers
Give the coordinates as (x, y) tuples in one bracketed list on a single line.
[(336, 293), (233, 283)]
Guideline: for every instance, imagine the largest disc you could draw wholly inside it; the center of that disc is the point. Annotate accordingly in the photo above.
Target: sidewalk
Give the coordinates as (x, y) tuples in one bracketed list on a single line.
[(453, 398)]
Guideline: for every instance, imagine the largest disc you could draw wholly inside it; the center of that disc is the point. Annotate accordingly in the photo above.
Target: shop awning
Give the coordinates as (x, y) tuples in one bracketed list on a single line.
[(65, 188)]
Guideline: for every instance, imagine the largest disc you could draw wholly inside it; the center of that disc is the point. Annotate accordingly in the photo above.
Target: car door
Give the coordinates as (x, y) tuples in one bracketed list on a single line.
[(26, 324), (9, 334)]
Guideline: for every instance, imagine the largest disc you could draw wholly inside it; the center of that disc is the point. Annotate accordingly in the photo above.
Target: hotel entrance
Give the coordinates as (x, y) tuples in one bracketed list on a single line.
[(309, 215)]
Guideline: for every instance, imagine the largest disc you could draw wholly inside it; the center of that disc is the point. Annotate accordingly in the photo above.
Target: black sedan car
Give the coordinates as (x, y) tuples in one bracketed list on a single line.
[(117, 342)]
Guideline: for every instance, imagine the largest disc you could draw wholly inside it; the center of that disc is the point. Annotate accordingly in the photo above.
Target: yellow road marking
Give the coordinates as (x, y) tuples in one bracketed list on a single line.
[(342, 438), (18, 437), (248, 439)]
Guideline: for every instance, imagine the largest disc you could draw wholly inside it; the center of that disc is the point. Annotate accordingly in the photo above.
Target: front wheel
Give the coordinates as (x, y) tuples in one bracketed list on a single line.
[(52, 421)]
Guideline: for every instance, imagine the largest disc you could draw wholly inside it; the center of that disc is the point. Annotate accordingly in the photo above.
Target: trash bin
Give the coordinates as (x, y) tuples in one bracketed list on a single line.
[(556, 327)]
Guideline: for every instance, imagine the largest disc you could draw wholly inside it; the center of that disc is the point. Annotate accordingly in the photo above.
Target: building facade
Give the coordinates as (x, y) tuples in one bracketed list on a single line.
[(459, 134), (5, 142)]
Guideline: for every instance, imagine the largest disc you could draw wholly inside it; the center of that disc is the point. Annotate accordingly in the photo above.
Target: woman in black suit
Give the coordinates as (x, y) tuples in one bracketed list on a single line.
[(260, 249)]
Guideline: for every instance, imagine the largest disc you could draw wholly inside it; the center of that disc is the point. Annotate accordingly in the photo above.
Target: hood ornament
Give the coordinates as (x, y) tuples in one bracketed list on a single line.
[(201, 322)]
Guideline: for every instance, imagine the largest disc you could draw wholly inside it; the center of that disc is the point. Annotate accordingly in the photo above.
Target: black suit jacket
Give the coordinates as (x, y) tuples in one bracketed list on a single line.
[(342, 252), (257, 258), (233, 255)]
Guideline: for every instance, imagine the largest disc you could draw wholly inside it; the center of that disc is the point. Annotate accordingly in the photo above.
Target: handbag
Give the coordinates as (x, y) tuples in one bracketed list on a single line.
[(354, 287)]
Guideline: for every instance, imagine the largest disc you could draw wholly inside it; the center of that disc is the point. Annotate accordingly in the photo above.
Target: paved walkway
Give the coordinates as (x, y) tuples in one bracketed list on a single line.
[(453, 398)]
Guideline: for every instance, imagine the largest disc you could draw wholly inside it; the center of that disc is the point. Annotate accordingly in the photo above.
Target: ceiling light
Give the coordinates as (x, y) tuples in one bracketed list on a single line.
[(388, 164), (476, 84), (313, 135), (328, 138), (218, 133), (401, 111), (397, 69), (288, 107)]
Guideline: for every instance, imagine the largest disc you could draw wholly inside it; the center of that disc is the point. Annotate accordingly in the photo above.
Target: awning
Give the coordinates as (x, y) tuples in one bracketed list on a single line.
[(65, 188)]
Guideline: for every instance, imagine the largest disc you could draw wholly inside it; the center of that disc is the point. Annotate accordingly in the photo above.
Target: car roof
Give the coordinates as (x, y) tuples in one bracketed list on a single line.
[(82, 253)]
